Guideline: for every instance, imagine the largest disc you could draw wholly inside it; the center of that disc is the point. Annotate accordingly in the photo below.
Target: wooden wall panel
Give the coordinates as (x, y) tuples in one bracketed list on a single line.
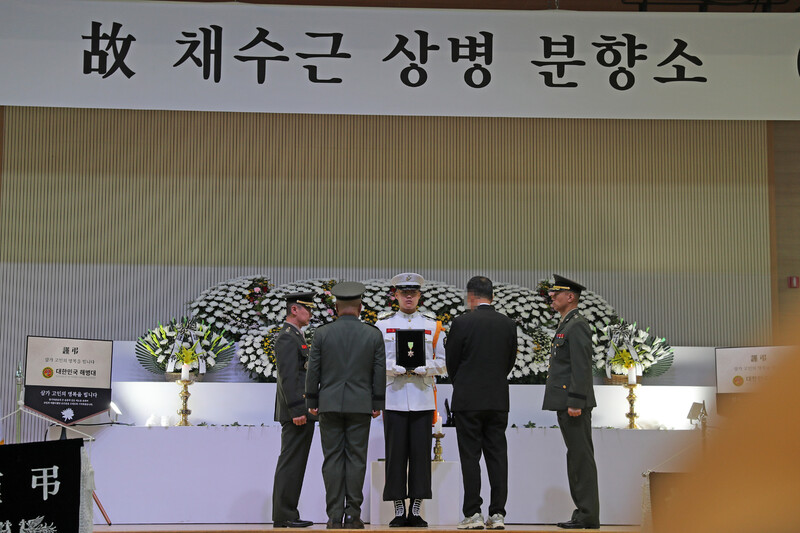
[(178, 188)]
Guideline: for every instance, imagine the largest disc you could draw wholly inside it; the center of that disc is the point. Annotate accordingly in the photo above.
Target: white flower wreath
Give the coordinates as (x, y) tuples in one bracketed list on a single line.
[(237, 305), (254, 310), (164, 348), (256, 349)]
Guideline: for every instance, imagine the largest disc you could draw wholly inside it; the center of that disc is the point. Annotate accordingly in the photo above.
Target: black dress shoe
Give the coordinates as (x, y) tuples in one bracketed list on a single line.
[(398, 521), (577, 524), (334, 524), (415, 520), (353, 522), (293, 523)]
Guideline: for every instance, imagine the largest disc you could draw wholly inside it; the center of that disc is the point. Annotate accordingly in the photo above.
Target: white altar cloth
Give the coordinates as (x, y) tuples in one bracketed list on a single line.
[(224, 474)]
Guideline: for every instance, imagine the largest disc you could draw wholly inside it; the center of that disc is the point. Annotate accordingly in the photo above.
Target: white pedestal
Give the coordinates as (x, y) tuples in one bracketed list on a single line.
[(443, 509)]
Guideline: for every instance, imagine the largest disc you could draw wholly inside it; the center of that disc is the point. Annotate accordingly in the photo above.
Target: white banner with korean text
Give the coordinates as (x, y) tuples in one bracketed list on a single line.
[(381, 61)]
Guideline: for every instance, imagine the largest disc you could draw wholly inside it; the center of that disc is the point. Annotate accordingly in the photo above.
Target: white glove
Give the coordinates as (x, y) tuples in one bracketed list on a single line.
[(421, 370), (398, 370)]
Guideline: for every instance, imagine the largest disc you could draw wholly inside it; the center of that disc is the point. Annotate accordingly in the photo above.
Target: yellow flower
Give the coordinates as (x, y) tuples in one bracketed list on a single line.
[(187, 356), (623, 358)]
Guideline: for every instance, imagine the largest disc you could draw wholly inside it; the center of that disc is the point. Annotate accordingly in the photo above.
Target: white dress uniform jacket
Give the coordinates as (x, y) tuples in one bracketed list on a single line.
[(412, 392)]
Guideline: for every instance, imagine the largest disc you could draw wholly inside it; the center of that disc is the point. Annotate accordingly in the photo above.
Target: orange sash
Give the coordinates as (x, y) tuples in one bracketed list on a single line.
[(435, 339)]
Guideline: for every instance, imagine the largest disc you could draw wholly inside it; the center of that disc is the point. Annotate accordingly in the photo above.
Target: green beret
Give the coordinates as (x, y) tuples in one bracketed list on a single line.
[(348, 290)]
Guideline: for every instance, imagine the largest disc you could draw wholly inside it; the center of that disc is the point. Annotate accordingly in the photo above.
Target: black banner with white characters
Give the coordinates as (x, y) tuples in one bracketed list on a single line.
[(67, 404), (40, 487)]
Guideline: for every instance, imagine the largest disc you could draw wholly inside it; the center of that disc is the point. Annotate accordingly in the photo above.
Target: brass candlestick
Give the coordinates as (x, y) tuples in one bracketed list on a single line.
[(437, 448), (632, 416), (184, 411)]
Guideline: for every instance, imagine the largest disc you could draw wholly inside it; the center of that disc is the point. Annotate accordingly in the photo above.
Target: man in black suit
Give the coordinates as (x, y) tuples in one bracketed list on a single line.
[(570, 394), (480, 353), (297, 426)]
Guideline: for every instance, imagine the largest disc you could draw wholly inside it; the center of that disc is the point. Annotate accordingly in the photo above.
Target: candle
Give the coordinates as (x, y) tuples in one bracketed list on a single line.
[(185, 372), (632, 375), (437, 426)]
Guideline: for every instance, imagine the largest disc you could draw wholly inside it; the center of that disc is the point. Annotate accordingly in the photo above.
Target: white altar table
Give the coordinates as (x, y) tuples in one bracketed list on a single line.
[(224, 474)]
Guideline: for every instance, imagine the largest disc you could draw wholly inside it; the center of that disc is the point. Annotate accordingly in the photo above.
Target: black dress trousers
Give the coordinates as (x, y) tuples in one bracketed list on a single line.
[(290, 470), (409, 439), (483, 432), (581, 467)]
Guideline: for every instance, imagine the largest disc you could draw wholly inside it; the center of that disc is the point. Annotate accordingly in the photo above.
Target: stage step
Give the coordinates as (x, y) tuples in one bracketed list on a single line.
[(260, 528)]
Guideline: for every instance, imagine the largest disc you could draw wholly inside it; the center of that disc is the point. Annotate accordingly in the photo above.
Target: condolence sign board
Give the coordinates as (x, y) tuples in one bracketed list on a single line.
[(40, 486), (743, 369), (379, 61), (68, 379)]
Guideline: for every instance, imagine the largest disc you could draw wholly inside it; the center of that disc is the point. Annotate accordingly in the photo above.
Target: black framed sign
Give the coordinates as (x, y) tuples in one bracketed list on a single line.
[(410, 346), (68, 380)]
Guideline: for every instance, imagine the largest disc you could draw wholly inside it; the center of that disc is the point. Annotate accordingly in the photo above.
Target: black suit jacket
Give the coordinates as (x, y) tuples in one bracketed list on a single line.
[(481, 349)]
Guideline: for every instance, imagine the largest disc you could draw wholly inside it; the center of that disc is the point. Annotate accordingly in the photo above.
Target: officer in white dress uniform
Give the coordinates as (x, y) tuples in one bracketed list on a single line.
[(410, 403)]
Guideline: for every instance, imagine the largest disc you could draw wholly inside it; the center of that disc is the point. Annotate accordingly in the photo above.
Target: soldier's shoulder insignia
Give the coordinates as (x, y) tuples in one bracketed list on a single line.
[(429, 314), (386, 314)]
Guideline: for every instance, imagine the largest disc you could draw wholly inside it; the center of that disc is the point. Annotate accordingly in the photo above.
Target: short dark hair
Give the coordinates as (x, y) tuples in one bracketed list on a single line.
[(351, 303), (480, 286)]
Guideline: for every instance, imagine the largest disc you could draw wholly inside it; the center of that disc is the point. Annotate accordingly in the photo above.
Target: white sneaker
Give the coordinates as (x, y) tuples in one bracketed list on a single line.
[(496, 521), (471, 522)]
